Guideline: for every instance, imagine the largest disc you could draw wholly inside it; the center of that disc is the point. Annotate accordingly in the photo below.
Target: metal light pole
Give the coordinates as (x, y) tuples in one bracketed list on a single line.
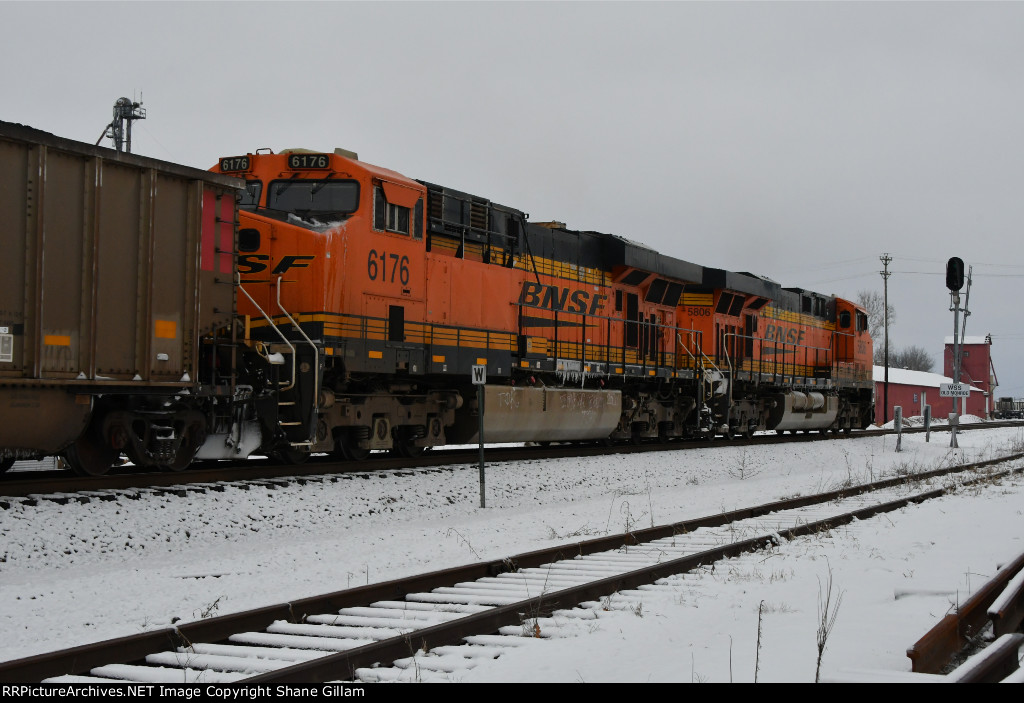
[(885, 259)]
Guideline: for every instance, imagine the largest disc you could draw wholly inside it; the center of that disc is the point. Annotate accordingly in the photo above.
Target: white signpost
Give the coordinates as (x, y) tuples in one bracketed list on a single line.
[(479, 377)]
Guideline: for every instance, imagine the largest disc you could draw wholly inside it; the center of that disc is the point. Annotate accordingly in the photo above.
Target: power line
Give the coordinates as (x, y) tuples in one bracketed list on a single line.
[(942, 273)]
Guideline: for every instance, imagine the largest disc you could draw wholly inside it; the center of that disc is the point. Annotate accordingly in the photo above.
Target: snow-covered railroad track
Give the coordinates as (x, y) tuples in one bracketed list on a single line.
[(487, 606), (34, 487)]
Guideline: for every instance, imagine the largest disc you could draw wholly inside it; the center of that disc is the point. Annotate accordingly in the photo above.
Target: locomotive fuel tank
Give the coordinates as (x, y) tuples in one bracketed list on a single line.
[(517, 414), (797, 410)]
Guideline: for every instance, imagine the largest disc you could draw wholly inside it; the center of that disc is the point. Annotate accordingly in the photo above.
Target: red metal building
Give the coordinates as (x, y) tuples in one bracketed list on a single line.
[(912, 390)]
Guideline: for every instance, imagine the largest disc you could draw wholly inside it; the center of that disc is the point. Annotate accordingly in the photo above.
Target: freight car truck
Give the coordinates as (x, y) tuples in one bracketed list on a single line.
[(116, 280)]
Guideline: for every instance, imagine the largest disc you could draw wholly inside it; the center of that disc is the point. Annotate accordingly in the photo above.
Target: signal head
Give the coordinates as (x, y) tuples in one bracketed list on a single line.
[(955, 274)]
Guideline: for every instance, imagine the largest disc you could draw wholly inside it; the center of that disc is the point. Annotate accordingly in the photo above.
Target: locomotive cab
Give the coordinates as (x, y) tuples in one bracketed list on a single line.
[(332, 276)]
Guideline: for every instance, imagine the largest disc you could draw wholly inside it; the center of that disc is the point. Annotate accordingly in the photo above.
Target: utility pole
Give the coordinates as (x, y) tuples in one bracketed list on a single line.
[(885, 259)]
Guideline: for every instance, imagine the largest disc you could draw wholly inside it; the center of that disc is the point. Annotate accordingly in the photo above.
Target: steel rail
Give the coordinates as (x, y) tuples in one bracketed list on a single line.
[(12, 486), (936, 649)]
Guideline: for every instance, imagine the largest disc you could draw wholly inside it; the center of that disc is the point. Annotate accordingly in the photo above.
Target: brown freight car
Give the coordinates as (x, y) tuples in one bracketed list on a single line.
[(116, 270)]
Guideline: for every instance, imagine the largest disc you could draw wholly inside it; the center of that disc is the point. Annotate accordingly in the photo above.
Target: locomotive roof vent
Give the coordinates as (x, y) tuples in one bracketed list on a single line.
[(550, 225)]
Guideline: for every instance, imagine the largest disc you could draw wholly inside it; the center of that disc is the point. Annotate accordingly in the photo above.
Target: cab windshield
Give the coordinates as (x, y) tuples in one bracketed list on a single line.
[(251, 197), (311, 198)]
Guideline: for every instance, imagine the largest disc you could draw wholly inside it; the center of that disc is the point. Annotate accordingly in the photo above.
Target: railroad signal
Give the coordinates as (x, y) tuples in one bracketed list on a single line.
[(955, 274)]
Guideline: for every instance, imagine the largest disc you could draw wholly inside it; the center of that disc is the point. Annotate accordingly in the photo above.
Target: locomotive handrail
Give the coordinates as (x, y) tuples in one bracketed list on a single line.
[(760, 357), (238, 284), (698, 367), (732, 377), (316, 352), (703, 356)]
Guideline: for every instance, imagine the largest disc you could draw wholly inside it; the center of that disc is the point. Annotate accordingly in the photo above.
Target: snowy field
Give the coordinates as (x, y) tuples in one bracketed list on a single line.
[(73, 574)]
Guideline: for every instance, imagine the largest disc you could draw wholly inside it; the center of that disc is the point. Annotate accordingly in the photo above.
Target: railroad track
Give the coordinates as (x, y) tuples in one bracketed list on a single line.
[(61, 486), (995, 610), (456, 617), (977, 643)]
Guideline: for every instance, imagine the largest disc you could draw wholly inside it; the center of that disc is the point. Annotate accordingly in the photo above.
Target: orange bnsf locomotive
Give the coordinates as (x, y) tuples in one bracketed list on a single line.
[(303, 302), (386, 292)]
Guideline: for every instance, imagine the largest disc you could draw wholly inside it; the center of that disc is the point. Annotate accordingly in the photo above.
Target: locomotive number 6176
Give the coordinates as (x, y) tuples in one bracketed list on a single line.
[(398, 264)]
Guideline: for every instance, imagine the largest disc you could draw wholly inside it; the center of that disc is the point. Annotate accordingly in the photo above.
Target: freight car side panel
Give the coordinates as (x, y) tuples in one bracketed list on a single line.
[(13, 256), (100, 277), (62, 251), (117, 294)]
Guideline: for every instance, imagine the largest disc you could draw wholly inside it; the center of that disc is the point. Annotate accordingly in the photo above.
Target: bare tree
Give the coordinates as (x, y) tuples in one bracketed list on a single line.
[(874, 303), (913, 358)]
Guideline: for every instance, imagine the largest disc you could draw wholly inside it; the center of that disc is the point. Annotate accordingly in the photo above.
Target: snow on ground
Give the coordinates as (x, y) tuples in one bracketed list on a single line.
[(73, 574)]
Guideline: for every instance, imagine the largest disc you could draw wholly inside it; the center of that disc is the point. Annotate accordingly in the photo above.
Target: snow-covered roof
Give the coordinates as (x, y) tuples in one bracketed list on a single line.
[(906, 377), (969, 340)]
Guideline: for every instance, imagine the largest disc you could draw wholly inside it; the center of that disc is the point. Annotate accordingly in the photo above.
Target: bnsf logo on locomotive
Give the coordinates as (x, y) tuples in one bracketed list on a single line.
[(254, 263), (786, 335), (536, 295)]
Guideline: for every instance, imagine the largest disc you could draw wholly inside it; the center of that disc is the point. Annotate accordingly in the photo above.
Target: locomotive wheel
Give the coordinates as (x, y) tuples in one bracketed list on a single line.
[(289, 455), (6, 464), (349, 449), (408, 450), (90, 457)]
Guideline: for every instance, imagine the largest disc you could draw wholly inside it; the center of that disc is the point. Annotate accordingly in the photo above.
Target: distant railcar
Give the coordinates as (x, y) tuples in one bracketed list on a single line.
[(1008, 409)]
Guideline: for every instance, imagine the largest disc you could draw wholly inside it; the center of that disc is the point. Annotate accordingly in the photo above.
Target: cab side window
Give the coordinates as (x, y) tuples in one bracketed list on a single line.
[(388, 217), (862, 322)]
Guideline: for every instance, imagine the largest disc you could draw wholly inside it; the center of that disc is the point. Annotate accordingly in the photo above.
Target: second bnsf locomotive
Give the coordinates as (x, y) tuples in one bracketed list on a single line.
[(335, 306)]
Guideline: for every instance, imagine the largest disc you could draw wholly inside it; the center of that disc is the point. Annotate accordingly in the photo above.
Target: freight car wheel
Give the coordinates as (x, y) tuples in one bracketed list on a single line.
[(6, 464), (190, 444), (90, 457)]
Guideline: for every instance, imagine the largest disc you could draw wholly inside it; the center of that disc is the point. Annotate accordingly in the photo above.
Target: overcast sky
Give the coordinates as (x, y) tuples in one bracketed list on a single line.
[(800, 141)]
